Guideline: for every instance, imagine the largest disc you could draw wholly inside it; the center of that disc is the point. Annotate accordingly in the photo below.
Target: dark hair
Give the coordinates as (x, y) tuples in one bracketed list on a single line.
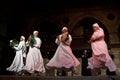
[(109, 49)]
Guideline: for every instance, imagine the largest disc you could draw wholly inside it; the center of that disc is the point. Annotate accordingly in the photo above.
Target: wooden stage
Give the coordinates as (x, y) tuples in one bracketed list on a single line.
[(14, 77)]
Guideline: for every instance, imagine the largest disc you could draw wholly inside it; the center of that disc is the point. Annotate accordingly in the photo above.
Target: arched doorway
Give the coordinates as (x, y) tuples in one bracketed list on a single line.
[(82, 31), (119, 32)]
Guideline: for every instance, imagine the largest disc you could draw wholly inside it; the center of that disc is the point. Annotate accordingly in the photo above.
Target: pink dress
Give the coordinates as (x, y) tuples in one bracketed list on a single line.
[(63, 57), (34, 60), (100, 53)]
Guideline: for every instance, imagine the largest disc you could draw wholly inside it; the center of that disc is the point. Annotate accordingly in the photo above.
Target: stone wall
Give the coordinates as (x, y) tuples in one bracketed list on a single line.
[(107, 16), (116, 53)]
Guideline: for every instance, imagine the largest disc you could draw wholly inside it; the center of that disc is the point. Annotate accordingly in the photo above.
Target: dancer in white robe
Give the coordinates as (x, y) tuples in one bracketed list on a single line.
[(34, 60), (17, 64)]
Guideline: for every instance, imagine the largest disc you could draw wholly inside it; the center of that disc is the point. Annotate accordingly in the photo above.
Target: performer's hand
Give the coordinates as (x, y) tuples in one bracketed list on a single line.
[(13, 47), (57, 37), (89, 41)]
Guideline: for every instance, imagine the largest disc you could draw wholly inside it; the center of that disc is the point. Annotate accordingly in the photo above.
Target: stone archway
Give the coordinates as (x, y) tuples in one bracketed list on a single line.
[(83, 30), (119, 32)]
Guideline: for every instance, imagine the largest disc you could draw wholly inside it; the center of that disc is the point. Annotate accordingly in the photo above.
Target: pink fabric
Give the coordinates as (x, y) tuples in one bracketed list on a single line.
[(100, 53), (63, 56), (34, 60)]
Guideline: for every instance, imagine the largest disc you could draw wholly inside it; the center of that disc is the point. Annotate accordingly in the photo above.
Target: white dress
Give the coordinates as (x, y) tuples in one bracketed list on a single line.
[(17, 64), (34, 60)]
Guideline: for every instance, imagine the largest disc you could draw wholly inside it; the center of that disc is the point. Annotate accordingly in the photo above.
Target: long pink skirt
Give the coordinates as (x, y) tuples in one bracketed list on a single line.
[(101, 57), (63, 58)]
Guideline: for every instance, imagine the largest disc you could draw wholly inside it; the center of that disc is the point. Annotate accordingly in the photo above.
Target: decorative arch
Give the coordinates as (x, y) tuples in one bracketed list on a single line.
[(83, 29), (119, 32)]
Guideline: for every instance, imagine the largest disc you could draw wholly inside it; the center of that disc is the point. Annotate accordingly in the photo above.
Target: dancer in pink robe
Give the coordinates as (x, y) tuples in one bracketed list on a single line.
[(100, 56), (63, 57)]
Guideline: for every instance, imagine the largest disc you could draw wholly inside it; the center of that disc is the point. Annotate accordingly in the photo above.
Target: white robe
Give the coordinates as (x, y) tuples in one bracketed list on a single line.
[(17, 64), (34, 60)]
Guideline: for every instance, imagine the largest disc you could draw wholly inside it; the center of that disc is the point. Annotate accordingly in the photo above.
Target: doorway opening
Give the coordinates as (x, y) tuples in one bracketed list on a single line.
[(83, 30)]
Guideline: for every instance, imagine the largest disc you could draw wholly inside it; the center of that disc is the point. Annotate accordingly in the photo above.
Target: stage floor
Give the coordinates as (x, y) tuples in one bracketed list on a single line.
[(14, 77)]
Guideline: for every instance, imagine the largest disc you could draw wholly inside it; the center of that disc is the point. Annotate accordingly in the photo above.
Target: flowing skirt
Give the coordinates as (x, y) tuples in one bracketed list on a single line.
[(17, 64), (34, 61), (63, 58), (101, 57)]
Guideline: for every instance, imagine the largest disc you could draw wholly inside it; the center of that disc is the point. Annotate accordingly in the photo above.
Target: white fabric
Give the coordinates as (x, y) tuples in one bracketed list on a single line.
[(96, 24), (34, 60), (17, 64), (23, 37), (64, 28), (35, 32)]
